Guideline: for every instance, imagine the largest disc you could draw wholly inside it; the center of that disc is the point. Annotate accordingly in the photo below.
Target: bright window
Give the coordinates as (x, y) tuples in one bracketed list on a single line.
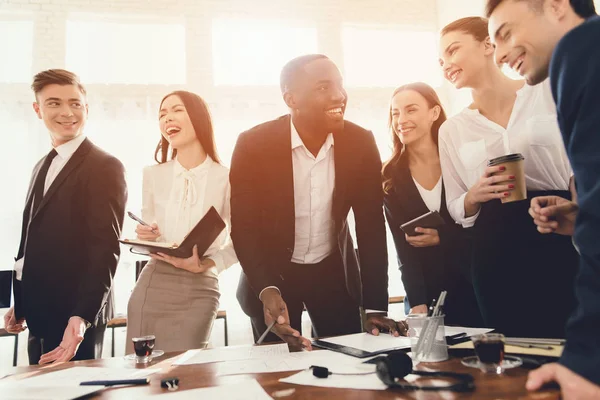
[(16, 47), (126, 53), (389, 57), (252, 52)]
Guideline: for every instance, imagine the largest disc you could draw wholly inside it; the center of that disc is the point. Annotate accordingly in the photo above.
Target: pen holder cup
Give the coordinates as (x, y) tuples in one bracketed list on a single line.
[(427, 338)]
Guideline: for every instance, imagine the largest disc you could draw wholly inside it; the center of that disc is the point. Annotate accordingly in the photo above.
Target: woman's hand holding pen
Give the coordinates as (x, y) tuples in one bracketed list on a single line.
[(148, 233), (193, 264), (427, 238), (489, 187)]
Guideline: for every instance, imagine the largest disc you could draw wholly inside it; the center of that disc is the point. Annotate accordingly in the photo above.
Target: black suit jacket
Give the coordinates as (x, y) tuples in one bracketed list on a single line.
[(262, 208), (72, 247), (426, 271)]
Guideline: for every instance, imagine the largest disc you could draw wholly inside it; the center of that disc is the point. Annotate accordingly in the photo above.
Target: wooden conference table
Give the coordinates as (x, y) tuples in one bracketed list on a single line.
[(510, 385)]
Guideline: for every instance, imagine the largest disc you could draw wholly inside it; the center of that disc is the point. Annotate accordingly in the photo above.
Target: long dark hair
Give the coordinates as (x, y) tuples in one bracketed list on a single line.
[(199, 114), (398, 148)]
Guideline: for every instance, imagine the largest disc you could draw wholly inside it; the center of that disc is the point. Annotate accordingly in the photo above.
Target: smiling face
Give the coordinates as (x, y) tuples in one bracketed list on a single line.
[(175, 124), (525, 37), (412, 118), (463, 57), (318, 96), (64, 111)]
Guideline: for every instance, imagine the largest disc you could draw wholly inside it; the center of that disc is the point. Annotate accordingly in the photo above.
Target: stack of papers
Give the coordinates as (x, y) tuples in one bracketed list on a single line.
[(64, 384), (246, 390), (336, 362), (232, 353), (370, 343)]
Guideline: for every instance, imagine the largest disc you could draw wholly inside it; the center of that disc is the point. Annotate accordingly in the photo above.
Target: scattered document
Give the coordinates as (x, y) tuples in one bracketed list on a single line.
[(232, 353), (75, 375), (336, 362), (367, 381), (455, 330), (246, 390), (17, 391), (371, 343)]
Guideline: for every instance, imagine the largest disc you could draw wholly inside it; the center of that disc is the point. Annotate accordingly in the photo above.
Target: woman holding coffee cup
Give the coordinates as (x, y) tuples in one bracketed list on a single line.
[(435, 259), (176, 299), (506, 146)]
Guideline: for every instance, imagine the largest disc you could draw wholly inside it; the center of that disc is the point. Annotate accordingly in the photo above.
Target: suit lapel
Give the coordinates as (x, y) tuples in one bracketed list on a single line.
[(407, 195), (34, 176), (282, 169), (341, 160), (71, 165)]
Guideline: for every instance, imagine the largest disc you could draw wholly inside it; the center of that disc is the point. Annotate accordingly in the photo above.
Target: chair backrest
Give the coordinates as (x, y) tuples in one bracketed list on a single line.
[(139, 266)]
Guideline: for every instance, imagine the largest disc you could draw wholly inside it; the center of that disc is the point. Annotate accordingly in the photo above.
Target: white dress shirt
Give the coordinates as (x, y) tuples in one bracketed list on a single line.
[(176, 199), (468, 140), (64, 153), (432, 198), (314, 181)]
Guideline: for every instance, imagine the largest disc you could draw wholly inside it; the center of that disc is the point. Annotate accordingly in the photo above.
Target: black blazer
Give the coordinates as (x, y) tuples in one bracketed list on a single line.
[(72, 247), (426, 271), (262, 208)]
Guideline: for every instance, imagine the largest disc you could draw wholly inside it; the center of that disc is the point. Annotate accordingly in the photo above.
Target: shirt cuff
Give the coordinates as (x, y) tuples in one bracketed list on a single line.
[(268, 287), (87, 323), (367, 311), (467, 222)]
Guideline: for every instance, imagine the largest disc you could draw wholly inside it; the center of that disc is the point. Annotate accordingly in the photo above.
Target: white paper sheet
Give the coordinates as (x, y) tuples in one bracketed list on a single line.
[(294, 362), (454, 330), (75, 375), (232, 353), (18, 391), (368, 382), (370, 343), (246, 390)]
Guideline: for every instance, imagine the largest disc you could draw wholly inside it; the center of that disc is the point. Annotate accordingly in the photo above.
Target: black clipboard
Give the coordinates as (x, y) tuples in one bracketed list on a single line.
[(203, 235)]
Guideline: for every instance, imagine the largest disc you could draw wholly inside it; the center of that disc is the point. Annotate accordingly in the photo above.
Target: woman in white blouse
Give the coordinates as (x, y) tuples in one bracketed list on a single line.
[(523, 280), (435, 259), (177, 299)]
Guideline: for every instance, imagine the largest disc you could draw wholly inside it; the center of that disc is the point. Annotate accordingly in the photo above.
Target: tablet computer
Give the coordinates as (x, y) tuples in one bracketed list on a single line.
[(430, 220)]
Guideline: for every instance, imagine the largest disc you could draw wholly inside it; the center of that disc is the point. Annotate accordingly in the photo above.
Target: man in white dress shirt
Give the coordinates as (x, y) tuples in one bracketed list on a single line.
[(69, 240), (293, 183)]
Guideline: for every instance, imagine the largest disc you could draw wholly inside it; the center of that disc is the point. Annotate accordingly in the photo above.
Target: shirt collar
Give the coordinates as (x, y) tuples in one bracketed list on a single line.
[(297, 140), (66, 150), (179, 169)]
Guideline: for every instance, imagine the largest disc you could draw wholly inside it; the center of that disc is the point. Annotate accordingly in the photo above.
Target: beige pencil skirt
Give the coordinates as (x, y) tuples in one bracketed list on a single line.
[(177, 306)]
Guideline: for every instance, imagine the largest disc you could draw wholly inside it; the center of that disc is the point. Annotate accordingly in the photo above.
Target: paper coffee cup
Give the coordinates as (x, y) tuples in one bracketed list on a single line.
[(515, 165)]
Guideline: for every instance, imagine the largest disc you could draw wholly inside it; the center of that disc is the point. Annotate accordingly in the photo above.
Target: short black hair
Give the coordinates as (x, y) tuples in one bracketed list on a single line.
[(583, 8), (294, 67)]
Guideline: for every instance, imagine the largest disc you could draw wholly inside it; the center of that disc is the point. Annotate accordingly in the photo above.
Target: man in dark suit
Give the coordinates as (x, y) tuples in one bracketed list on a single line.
[(290, 198), (558, 38), (71, 224)]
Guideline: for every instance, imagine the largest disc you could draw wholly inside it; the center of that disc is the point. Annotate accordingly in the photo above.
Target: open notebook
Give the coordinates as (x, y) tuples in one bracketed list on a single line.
[(203, 235)]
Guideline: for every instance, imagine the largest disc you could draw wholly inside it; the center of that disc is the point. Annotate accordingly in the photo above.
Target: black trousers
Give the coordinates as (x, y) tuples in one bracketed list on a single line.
[(523, 280), (89, 349), (321, 288)]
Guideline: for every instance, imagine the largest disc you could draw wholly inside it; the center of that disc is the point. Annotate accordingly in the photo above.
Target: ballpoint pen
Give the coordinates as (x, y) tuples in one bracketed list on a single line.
[(115, 382), (264, 335)]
